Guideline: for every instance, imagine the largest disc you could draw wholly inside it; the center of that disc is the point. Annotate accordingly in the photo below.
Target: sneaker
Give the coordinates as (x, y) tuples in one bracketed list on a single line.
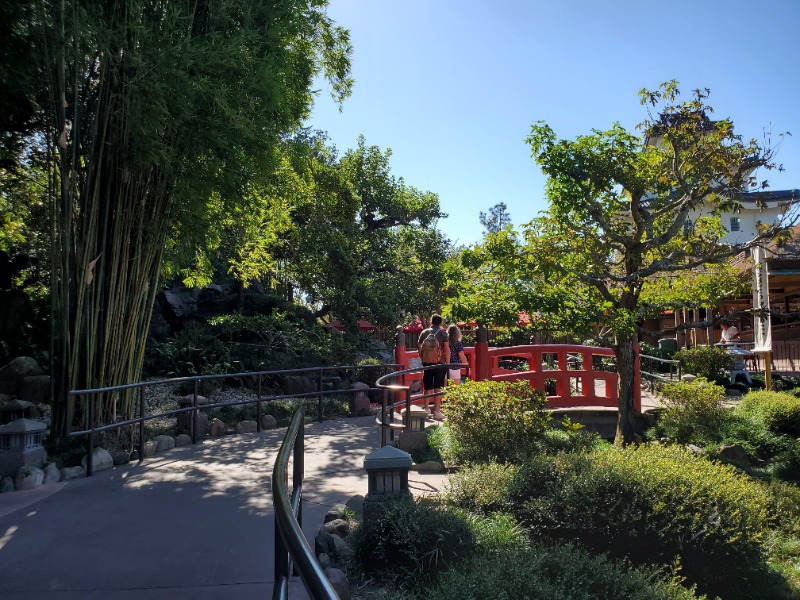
[(438, 416)]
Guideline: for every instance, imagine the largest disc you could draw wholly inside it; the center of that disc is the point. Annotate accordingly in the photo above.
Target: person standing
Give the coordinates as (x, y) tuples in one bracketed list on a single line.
[(730, 334), (433, 350), (457, 355)]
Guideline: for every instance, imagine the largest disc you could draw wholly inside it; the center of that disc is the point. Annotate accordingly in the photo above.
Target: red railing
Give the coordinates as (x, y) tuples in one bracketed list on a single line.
[(570, 375)]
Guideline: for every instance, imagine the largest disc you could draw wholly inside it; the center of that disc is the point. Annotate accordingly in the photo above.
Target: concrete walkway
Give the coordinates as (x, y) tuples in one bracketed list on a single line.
[(194, 522)]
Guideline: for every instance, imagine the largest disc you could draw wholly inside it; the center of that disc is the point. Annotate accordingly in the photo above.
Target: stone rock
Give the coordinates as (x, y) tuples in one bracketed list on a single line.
[(298, 384), (340, 547), (356, 504), (184, 423), (187, 400), (6, 485), (35, 388), (734, 452), (101, 460), (246, 427), (25, 366), (150, 447), (269, 422), (335, 512), (51, 473), (216, 428), (183, 440), (733, 393), (324, 560), (688, 377), (164, 442), (28, 478), (68, 473), (323, 543), (120, 457), (696, 450), (339, 582), (412, 440), (338, 527), (308, 420), (430, 466)]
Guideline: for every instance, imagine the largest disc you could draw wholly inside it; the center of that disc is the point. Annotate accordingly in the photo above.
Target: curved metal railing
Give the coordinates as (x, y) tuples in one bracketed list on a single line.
[(656, 379), (386, 420), (291, 546)]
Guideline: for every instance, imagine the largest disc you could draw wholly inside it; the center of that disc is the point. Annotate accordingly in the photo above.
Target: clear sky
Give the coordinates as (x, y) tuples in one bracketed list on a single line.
[(453, 86)]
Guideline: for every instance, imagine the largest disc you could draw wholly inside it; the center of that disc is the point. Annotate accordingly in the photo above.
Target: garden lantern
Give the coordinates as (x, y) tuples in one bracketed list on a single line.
[(21, 445), (387, 472), (416, 421)]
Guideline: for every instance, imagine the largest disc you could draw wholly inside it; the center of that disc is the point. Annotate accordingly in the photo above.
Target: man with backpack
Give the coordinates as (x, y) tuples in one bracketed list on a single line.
[(432, 345)]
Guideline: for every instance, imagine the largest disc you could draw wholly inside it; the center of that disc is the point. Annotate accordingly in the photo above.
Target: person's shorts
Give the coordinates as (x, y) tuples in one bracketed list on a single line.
[(433, 379)]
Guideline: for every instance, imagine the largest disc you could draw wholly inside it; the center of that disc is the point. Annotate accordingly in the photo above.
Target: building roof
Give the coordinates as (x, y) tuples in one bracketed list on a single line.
[(771, 196)]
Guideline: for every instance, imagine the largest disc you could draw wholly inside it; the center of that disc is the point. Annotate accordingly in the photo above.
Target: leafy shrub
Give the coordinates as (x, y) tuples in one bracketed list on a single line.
[(481, 487), (652, 504), (693, 412), (412, 540), (496, 531), (778, 412), (368, 372), (194, 351), (442, 443), (709, 362), (553, 573), (495, 420)]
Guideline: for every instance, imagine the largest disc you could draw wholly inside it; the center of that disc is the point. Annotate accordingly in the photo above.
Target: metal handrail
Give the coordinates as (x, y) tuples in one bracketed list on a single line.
[(385, 423), (142, 385), (291, 546), (655, 377)]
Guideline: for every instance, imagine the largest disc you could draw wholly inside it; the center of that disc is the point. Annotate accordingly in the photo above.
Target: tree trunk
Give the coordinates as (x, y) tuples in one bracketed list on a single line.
[(626, 365)]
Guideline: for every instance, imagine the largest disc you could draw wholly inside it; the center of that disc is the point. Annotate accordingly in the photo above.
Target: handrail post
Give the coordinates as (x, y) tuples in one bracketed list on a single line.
[(408, 407), (319, 391), (89, 457), (258, 404), (141, 424), (194, 411)]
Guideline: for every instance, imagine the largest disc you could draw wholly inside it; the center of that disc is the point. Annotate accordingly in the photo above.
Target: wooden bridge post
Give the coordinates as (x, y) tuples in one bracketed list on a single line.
[(482, 367)]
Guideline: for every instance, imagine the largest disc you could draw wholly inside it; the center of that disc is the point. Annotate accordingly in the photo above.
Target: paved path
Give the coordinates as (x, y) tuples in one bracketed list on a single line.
[(195, 522)]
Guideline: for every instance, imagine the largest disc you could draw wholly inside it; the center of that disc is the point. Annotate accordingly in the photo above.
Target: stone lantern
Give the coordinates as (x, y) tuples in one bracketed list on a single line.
[(21, 445), (387, 471)]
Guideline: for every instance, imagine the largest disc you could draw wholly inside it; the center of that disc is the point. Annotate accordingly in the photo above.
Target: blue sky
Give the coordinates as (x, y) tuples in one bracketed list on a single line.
[(452, 87)]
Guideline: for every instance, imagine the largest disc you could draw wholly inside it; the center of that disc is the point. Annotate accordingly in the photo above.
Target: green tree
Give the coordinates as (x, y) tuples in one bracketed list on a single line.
[(614, 232), (496, 219), (155, 116), (366, 243)]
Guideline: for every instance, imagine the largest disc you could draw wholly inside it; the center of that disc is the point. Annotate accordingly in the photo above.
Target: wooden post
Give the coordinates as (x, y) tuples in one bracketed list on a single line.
[(482, 370)]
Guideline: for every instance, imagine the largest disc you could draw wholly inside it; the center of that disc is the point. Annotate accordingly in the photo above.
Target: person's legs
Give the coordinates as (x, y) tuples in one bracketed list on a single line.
[(428, 384), (437, 399)]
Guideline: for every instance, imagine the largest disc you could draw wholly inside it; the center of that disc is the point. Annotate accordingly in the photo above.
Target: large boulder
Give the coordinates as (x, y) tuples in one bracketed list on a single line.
[(51, 473), (734, 453), (35, 388), (164, 442), (339, 582), (185, 422), (26, 366), (298, 384), (68, 473), (268, 422), (6, 485), (101, 460), (246, 427), (182, 440), (28, 478), (120, 457), (9, 381)]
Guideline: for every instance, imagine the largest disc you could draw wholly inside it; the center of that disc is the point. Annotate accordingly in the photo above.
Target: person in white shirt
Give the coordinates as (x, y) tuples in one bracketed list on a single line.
[(730, 334)]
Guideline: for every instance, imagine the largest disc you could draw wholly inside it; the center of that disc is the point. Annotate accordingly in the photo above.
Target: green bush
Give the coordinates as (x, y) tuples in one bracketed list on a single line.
[(411, 541), (442, 443), (693, 412), (779, 412), (481, 487), (553, 573), (709, 362), (649, 503), (493, 420)]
